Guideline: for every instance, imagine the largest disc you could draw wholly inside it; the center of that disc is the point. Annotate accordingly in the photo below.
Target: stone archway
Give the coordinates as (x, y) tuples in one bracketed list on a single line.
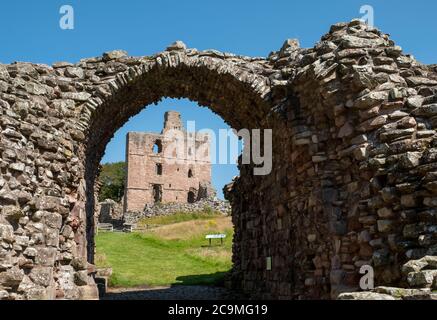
[(226, 84), (352, 180)]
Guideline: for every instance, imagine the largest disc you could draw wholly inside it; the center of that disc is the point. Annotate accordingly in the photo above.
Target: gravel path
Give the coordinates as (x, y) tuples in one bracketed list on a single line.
[(179, 292)]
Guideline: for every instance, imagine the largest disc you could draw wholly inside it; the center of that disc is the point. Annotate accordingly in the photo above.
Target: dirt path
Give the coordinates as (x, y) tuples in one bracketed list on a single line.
[(179, 292)]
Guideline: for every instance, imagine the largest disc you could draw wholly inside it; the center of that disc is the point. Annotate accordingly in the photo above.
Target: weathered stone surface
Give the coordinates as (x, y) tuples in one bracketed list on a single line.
[(414, 266), (89, 292), (385, 226), (420, 279), (390, 293), (79, 264), (81, 278), (45, 256), (350, 41), (178, 45), (42, 276), (418, 81), (403, 293), (150, 210), (4, 295), (427, 110), (67, 288), (381, 257), (410, 160), (371, 99), (116, 54), (12, 277), (152, 179), (74, 72)]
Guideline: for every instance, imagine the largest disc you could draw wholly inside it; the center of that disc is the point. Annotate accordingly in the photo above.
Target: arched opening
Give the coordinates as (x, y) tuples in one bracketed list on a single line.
[(241, 104), (190, 173)]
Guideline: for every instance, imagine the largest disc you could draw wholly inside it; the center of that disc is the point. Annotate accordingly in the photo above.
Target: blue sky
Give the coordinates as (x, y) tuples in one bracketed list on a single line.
[(30, 31)]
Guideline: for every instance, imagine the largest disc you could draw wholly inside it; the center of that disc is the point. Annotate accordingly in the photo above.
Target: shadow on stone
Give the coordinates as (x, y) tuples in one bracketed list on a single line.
[(191, 287)]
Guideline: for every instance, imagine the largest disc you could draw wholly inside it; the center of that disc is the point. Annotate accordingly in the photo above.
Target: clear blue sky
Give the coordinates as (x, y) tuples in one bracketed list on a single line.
[(30, 31)]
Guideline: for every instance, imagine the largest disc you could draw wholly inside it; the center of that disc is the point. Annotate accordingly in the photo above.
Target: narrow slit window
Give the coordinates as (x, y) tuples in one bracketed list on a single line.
[(159, 169)]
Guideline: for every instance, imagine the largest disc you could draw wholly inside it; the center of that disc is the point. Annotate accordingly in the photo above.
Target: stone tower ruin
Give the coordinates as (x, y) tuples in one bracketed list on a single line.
[(157, 174)]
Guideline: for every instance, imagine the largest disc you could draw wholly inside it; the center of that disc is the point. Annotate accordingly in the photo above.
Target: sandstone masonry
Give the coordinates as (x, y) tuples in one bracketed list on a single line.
[(202, 206), (162, 169)]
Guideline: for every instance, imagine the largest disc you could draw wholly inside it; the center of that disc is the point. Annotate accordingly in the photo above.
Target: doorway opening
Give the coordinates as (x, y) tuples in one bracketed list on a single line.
[(159, 169), (157, 193), (177, 184)]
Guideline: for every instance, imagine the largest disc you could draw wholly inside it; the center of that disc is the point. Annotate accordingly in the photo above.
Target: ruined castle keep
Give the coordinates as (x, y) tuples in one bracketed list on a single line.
[(156, 174), (354, 178)]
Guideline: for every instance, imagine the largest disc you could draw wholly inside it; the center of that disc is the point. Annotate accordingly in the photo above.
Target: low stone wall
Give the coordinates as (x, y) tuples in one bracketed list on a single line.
[(151, 210)]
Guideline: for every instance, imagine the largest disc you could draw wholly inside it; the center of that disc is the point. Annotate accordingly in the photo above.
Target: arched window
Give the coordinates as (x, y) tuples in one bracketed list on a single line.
[(190, 173), (157, 147)]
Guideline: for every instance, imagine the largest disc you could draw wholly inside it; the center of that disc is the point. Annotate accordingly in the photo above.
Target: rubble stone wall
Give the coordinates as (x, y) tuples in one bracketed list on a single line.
[(182, 171), (354, 161)]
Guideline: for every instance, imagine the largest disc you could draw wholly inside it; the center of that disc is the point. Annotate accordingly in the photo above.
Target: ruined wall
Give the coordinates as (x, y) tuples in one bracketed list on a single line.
[(354, 159), (176, 162), (359, 175)]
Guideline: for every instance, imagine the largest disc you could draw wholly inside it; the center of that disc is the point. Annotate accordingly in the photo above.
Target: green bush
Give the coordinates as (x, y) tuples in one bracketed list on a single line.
[(112, 179)]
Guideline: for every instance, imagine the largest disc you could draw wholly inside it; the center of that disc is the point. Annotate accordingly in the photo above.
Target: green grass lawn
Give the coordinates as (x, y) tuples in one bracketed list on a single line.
[(172, 254)]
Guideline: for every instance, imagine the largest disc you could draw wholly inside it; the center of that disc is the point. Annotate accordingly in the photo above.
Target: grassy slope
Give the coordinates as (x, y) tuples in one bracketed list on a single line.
[(170, 254)]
